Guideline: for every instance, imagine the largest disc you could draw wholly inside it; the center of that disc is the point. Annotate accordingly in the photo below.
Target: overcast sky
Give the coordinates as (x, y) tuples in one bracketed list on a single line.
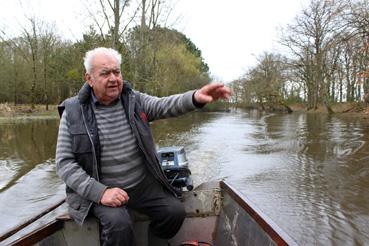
[(230, 34)]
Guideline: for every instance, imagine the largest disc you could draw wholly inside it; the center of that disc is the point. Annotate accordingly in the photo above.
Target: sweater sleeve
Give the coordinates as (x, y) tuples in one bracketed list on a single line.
[(68, 169), (164, 107)]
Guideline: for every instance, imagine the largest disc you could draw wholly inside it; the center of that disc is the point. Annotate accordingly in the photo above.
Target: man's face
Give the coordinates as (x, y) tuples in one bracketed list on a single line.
[(105, 79)]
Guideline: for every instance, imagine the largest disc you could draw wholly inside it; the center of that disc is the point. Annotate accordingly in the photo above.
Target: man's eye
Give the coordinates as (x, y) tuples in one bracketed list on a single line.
[(107, 73)]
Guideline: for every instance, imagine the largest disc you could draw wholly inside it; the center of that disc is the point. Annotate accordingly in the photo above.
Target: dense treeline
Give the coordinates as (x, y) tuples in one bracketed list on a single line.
[(326, 59), (39, 67)]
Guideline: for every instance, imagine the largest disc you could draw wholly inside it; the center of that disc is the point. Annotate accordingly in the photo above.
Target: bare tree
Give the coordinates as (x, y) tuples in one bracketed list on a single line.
[(156, 12), (48, 44), (32, 38), (358, 21), (309, 39), (112, 19), (265, 83)]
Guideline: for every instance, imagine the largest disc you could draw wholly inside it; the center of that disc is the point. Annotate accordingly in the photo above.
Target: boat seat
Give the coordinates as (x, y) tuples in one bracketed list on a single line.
[(64, 217), (136, 216), (91, 229)]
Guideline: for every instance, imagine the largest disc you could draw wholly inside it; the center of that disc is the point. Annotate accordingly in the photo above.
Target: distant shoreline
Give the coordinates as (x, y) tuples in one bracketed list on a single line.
[(9, 110), (345, 108), (353, 109)]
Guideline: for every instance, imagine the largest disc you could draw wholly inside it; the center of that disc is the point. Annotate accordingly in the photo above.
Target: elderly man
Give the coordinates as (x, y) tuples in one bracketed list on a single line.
[(106, 154)]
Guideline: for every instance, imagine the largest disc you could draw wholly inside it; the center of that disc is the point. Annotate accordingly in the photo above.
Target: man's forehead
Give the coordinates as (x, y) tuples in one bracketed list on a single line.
[(107, 67), (105, 62)]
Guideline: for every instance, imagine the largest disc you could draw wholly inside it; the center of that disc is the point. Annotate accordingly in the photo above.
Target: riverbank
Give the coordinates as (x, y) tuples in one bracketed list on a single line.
[(8, 110), (344, 109)]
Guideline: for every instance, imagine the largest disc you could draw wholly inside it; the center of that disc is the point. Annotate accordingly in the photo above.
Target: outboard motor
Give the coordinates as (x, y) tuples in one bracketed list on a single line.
[(175, 166)]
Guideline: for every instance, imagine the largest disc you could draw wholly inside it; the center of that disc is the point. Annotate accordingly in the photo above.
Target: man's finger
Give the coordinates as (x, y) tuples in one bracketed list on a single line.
[(207, 98), (213, 86), (116, 204), (122, 199), (223, 92), (122, 193)]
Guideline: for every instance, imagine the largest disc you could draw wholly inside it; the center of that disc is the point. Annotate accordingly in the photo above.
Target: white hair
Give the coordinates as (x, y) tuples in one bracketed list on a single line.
[(90, 55)]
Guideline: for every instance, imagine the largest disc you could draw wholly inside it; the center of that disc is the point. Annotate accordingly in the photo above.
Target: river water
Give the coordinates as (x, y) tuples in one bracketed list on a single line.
[(308, 172)]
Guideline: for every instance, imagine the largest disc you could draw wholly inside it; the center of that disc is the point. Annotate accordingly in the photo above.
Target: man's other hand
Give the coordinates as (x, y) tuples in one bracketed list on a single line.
[(114, 197), (212, 92)]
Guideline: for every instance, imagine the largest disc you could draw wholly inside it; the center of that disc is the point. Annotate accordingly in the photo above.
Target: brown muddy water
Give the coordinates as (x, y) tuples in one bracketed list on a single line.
[(308, 172)]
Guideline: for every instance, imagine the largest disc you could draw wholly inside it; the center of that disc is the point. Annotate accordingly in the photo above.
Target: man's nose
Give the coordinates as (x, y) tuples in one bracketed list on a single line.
[(112, 77)]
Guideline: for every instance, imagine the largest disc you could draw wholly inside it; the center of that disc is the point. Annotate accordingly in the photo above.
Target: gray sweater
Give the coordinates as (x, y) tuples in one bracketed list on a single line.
[(87, 187), (121, 160)]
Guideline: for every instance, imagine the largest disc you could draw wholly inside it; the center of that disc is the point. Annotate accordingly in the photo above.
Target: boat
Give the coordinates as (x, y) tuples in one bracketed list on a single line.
[(217, 214)]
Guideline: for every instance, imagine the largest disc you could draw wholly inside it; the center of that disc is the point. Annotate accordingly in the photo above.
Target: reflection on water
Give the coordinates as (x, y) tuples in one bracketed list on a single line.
[(308, 172), (24, 145), (28, 182), (315, 181)]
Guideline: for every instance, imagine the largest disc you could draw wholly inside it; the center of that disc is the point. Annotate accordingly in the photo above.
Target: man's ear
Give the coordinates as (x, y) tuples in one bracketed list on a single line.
[(88, 79)]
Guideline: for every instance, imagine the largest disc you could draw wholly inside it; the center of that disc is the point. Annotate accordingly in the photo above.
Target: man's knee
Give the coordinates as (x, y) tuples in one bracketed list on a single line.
[(176, 211), (170, 222), (115, 219), (118, 222)]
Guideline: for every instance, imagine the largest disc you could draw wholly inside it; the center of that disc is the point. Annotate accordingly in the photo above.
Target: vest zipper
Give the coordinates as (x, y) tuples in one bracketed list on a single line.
[(92, 144), (94, 156)]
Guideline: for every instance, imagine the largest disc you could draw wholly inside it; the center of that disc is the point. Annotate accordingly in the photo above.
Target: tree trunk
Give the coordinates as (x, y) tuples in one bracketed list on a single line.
[(116, 24), (15, 85), (33, 86), (45, 84), (143, 16)]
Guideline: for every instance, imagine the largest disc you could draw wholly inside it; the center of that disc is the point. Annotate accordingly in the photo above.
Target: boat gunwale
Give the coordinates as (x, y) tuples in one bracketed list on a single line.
[(39, 234), (277, 235), (26, 223)]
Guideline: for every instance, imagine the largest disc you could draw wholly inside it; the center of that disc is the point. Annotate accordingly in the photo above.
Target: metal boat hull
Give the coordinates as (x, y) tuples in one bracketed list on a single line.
[(216, 213)]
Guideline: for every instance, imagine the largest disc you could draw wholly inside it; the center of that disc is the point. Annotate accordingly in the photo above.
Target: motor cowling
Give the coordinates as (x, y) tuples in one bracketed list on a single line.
[(175, 166)]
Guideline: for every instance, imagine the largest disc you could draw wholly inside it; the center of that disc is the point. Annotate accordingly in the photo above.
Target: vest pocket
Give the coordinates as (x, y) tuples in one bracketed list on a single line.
[(74, 201), (81, 143)]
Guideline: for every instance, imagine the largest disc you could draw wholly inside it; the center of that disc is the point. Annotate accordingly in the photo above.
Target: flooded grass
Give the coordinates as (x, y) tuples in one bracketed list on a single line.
[(23, 112)]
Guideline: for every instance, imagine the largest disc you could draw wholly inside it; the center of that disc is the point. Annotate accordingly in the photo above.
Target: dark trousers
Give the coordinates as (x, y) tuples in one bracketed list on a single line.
[(149, 197)]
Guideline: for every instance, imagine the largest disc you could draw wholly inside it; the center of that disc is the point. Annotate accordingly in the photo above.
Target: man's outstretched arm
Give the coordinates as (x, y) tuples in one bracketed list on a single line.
[(175, 105)]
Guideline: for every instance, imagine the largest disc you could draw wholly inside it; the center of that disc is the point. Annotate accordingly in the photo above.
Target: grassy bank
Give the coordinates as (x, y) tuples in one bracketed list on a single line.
[(345, 109), (8, 110)]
